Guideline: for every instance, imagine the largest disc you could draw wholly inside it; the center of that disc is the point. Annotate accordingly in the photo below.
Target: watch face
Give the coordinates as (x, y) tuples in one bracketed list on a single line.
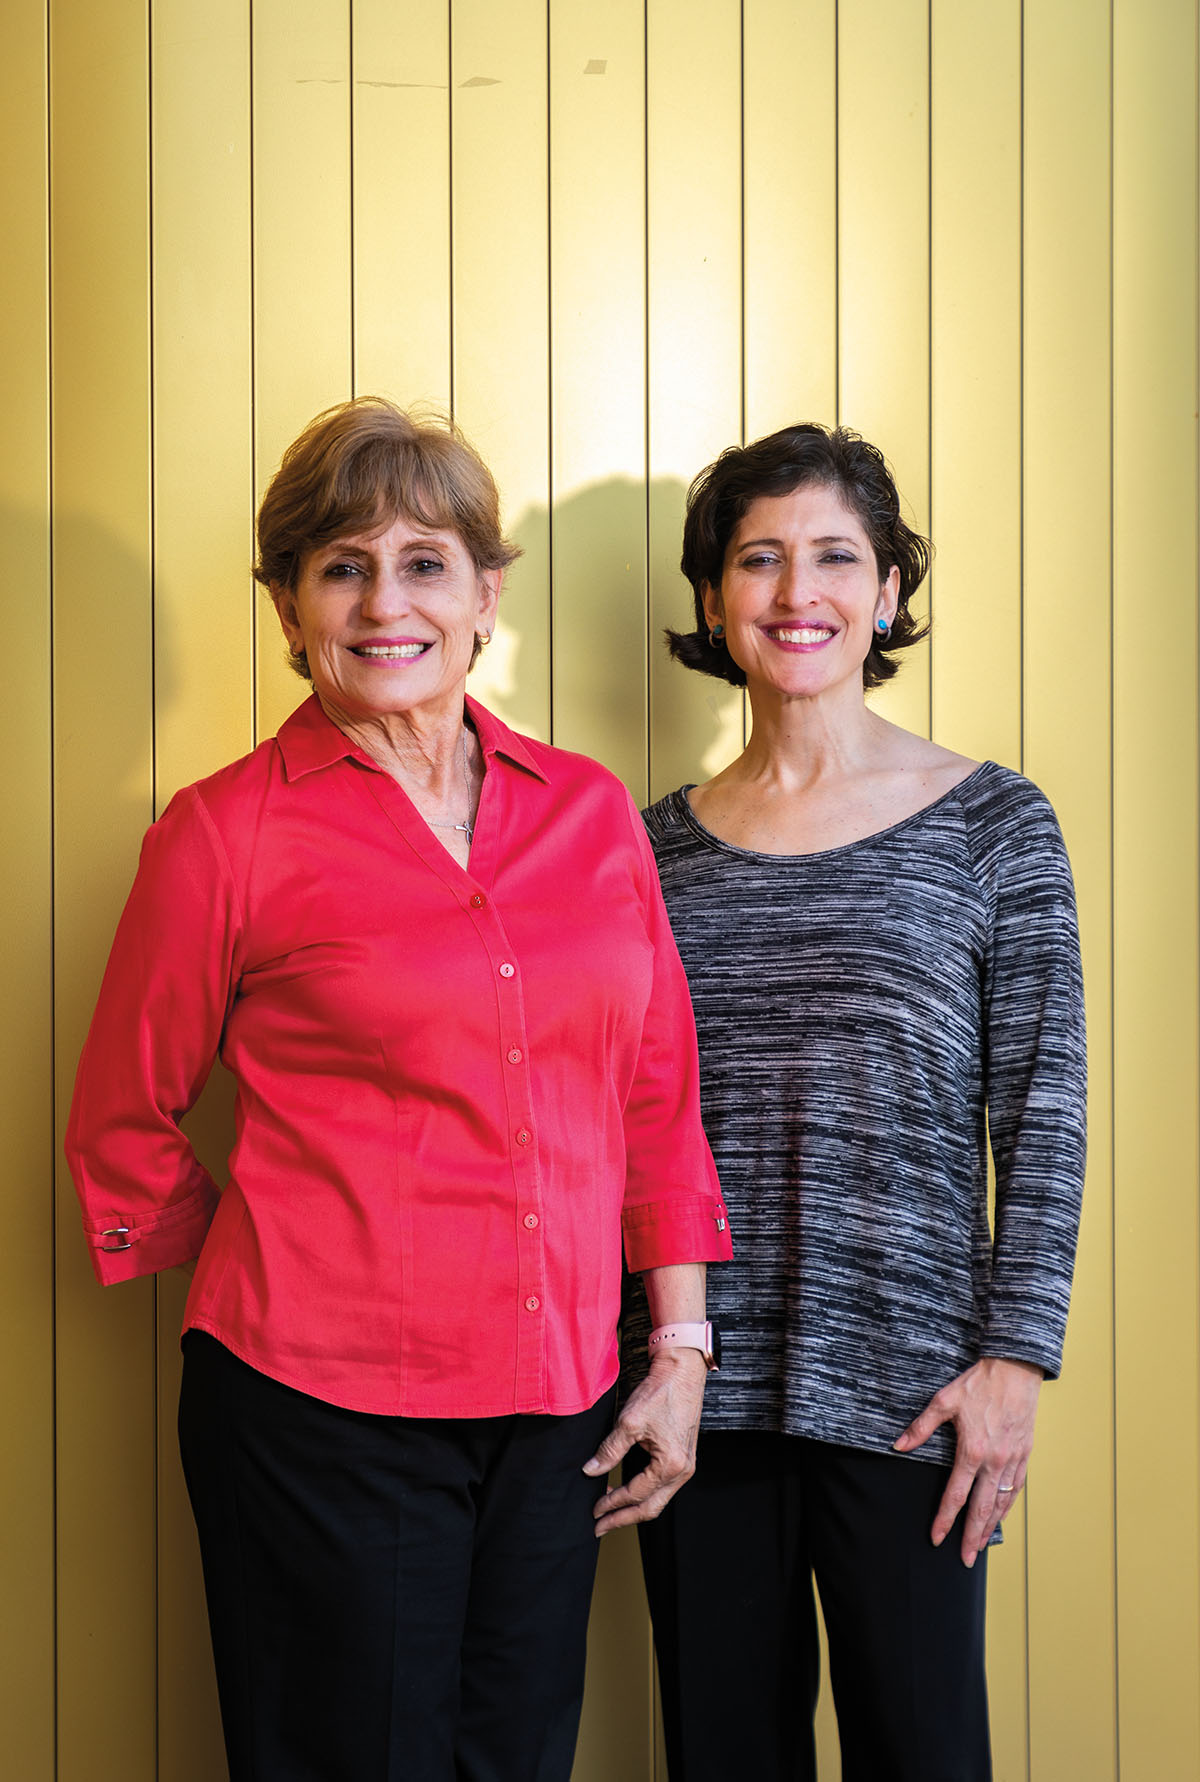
[(715, 1344)]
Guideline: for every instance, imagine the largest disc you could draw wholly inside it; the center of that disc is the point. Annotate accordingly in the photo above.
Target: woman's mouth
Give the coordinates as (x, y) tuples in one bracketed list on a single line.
[(805, 636), (390, 652)]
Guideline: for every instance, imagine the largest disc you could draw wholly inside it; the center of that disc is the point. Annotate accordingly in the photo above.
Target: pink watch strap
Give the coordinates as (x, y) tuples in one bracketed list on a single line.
[(684, 1336)]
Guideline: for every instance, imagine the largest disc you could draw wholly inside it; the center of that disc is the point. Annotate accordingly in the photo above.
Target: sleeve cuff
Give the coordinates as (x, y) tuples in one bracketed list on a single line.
[(1001, 1345), (124, 1245), (660, 1233)]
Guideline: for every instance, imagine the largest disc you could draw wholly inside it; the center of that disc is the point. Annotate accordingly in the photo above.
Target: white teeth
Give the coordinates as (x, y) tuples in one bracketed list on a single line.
[(389, 652), (805, 634)]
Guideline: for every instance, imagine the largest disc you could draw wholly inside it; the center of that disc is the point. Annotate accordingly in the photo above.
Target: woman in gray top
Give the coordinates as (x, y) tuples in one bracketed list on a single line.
[(881, 945)]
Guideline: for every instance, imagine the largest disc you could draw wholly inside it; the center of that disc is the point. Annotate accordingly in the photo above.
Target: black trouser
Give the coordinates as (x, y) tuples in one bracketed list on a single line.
[(392, 1599), (729, 1569)]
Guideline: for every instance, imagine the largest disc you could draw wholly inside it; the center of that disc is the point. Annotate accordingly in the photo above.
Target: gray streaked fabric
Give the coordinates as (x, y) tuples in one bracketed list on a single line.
[(864, 1014)]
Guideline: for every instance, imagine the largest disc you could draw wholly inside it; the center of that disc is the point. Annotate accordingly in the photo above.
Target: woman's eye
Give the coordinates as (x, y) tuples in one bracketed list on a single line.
[(426, 565), (759, 560), (338, 571), (839, 557)]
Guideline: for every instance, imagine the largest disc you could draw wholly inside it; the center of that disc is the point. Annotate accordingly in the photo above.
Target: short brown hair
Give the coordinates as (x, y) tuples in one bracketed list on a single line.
[(362, 464), (795, 458)]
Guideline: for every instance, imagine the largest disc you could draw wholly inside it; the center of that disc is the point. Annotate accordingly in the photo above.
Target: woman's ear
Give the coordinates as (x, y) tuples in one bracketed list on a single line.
[(889, 597), (284, 600), (490, 583), (714, 611)]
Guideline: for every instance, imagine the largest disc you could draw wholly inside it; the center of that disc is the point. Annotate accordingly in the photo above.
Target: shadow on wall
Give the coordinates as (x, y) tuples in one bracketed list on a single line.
[(115, 672), (604, 568)]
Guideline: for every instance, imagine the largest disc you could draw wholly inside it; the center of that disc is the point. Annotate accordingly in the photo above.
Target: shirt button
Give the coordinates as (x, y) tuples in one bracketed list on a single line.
[(530, 1221), (515, 1055), (532, 1303), (524, 1137), (507, 970), (478, 901)]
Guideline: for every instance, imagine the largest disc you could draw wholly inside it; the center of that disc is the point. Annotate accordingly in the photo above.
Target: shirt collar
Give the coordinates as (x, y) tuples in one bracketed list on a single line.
[(496, 738), (309, 740)]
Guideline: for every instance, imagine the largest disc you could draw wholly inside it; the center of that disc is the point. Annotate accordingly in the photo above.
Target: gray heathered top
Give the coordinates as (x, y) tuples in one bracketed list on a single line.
[(857, 1011)]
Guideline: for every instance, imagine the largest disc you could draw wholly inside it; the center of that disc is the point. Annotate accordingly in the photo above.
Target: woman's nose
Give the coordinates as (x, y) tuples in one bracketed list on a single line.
[(385, 595), (796, 587)]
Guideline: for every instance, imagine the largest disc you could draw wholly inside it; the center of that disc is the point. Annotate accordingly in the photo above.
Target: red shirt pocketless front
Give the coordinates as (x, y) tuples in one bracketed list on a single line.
[(455, 1086)]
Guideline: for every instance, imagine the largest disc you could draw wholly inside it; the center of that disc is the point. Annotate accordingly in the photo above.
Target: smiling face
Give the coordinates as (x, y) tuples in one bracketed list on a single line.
[(800, 592), (388, 621)]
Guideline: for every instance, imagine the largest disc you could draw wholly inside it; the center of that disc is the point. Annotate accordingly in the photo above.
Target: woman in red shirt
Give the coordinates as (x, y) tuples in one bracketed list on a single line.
[(434, 956)]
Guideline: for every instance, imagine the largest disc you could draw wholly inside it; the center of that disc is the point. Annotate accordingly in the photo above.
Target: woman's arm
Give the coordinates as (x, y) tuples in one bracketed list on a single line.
[(147, 1202), (662, 1414), (1036, 1084), (673, 1210)]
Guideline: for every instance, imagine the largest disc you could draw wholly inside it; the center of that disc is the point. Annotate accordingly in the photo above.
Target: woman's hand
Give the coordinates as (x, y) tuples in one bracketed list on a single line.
[(992, 1407), (663, 1416)]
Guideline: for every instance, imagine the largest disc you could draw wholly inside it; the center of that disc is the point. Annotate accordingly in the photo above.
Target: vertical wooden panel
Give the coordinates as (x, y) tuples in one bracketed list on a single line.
[(26, 1075), (598, 339), (303, 353), (501, 319), (975, 299), (102, 754), (402, 202), (1155, 886), (203, 633), (1067, 736), (789, 186), (203, 471), (693, 156), (883, 220)]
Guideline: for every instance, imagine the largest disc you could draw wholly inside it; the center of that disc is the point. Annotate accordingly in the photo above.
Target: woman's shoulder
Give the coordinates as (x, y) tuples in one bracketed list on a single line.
[(664, 818), (229, 791), (993, 794), (1012, 830)]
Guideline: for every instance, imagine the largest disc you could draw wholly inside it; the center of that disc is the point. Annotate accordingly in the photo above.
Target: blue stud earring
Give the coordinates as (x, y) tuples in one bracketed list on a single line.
[(716, 636), (883, 628)]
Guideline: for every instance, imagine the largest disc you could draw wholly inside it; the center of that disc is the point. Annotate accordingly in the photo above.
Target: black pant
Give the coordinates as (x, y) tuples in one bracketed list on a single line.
[(729, 1573), (392, 1599)]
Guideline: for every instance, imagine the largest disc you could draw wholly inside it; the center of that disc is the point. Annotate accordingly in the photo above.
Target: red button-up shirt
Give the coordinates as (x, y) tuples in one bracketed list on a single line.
[(455, 1086)]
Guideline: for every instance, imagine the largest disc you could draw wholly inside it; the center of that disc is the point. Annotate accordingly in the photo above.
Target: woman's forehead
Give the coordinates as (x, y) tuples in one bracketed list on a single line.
[(817, 510)]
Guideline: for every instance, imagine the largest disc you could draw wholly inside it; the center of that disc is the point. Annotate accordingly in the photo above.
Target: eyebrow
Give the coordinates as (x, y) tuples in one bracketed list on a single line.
[(352, 544), (833, 538)]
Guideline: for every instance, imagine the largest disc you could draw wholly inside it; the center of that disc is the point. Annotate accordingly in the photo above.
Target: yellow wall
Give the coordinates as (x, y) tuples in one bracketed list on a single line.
[(615, 237)]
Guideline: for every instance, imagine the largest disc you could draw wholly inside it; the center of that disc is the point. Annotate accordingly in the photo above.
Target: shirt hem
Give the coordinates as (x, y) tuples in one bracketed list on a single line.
[(396, 1406)]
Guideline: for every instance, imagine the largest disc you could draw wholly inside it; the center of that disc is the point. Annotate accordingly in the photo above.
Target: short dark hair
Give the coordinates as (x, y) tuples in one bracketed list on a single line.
[(361, 465), (798, 457)]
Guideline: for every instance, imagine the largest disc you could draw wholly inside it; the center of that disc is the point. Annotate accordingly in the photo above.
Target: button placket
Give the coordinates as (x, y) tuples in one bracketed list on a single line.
[(516, 1088)]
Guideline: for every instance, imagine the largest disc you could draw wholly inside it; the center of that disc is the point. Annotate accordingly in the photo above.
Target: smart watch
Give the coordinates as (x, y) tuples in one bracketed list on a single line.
[(705, 1337)]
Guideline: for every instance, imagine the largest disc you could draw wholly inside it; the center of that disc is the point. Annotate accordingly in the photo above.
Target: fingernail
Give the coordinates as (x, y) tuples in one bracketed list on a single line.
[(593, 1465)]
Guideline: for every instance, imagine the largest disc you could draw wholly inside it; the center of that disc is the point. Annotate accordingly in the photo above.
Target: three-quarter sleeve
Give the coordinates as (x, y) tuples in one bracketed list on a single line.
[(147, 1202), (673, 1209), (1036, 1082)]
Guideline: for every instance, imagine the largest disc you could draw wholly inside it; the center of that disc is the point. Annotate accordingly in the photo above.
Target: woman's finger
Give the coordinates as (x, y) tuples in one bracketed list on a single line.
[(958, 1489)]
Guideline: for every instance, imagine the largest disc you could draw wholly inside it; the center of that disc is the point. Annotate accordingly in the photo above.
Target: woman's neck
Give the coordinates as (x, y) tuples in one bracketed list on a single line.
[(414, 747), (796, 742)]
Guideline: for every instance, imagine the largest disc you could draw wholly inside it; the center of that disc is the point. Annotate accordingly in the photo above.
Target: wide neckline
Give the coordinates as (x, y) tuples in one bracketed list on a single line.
[(707, 836)]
